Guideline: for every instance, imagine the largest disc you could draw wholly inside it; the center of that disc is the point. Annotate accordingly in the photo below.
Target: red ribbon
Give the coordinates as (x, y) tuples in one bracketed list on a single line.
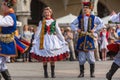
[(48, 29)]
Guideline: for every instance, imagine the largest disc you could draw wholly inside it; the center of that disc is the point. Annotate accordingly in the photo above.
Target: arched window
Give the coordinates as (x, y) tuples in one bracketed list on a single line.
[(36, 11), (102, 10)]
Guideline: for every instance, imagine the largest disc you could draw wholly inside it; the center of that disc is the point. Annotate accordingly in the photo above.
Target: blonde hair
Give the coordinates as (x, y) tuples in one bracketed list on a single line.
[(49, 9)]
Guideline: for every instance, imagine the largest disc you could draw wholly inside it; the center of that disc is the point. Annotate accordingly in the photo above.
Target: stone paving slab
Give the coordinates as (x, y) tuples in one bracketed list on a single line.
[(65, 70), (62, 79)]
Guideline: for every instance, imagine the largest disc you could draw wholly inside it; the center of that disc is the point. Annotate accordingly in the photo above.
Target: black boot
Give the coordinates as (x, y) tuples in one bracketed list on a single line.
[(81, 71), (92, 69), (111, 72), (6, 75), (45, 71), (0, 77), (53, 71)]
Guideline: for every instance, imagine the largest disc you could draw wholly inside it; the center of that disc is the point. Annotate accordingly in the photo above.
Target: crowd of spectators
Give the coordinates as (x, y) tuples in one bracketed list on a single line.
[(106, 36), (109, 34)]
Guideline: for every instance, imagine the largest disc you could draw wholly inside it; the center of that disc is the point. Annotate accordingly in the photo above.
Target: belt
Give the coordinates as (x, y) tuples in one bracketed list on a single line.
[(7, 38), (85, 34)]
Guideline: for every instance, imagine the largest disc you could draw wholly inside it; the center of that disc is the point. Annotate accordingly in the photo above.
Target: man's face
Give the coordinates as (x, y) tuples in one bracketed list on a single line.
[(86, 9), (4, 8)]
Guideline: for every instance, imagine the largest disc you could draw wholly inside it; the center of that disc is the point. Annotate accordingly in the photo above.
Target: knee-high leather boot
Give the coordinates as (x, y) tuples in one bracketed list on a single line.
[(111, 72), (81, 71), (45, 71), (53, 71), (92, 69), (6, 75)]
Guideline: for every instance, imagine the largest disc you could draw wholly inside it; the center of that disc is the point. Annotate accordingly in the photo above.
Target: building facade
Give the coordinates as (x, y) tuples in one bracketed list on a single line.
[(64, 7), (30, 11)]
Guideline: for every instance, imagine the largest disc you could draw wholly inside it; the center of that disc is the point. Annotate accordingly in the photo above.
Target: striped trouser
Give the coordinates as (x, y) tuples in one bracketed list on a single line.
[(83, 56), (3, 66), (117, 59)]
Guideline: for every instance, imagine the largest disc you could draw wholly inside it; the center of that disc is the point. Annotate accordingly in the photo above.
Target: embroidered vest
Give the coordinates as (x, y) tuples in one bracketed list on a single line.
[(50, 29), (90, 21)]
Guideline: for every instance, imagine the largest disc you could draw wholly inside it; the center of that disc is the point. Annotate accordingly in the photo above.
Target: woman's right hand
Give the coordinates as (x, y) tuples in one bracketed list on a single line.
[(113, 13), (79, 30)]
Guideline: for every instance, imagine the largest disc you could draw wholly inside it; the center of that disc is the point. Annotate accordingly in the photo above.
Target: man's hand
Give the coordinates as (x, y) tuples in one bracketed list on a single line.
[(92, 31)]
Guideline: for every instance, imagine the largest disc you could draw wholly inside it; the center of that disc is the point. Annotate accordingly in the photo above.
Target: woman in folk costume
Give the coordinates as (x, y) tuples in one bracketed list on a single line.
[(7, 39), (104, 42), (85, 26), (116, 63), (49, 44)]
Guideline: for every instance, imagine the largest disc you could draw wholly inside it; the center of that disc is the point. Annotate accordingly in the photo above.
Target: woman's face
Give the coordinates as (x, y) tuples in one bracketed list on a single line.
[(62, 30), (26, 28), (104, 30), (47, 14)]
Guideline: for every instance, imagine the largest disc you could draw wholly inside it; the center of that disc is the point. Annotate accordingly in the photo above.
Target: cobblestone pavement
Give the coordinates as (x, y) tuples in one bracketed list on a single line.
[(65, 70)]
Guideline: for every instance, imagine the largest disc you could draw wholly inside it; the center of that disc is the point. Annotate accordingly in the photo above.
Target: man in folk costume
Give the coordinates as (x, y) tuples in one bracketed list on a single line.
[(86, 24), (7, 39), (116, 63), (7, 45)]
